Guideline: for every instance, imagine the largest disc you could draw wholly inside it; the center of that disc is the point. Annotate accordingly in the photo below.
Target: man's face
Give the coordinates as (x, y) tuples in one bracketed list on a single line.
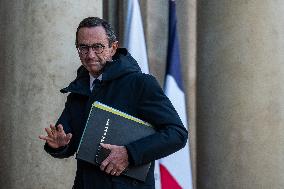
[(94, 59)]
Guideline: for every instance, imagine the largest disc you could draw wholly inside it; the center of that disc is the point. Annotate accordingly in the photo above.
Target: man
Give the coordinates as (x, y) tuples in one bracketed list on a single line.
[(121, 85)]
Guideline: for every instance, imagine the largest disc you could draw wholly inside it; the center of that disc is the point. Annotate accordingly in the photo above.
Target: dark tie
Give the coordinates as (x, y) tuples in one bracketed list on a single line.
[(96, 84)]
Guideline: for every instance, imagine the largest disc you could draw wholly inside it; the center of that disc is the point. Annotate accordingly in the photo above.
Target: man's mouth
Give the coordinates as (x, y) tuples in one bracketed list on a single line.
[(93, 63)]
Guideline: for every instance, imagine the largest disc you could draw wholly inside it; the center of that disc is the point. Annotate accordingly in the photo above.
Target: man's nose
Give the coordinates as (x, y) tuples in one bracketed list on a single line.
[(91, 53)]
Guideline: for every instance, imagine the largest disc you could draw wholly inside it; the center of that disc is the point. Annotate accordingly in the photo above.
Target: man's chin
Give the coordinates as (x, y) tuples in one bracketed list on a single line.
[(95, 72), (94, 69), (93, 66)]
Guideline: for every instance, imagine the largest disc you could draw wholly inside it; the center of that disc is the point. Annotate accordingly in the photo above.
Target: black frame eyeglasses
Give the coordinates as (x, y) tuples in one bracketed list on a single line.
[(98, 48)]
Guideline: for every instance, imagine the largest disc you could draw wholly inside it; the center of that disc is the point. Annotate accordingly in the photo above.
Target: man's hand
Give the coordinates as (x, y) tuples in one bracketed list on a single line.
[(117, 161), (56, 137)]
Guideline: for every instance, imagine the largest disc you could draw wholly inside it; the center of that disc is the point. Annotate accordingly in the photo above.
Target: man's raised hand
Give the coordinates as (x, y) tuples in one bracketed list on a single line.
[(56, 137)]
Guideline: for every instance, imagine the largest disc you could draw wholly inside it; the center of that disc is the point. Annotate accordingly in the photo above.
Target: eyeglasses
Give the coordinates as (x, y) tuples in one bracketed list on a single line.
[(98, 48)]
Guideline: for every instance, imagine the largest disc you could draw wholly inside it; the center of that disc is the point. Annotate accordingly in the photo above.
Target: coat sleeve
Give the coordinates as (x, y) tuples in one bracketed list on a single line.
[(155, 108), (64, 119)]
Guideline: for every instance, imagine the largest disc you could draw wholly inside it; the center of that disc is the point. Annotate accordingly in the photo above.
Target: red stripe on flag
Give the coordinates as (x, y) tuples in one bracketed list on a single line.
[(167, 180)]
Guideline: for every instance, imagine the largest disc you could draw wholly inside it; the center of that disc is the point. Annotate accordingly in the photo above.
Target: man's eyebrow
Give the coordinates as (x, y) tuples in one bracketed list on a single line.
[(98, 44), (82, 44)]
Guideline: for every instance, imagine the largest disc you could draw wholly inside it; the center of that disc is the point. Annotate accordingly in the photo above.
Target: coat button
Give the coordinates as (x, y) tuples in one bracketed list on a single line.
[(134, 182)]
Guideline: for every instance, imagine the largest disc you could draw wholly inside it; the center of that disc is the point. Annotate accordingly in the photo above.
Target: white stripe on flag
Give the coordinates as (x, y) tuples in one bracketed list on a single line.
[(176, 96), (178, 164), (134, 35)]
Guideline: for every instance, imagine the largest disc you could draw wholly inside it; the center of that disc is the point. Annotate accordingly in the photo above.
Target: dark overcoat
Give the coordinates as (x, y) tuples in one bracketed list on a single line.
[(123, 87)]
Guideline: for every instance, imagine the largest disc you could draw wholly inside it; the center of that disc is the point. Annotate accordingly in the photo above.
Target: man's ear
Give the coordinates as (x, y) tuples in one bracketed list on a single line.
[(114, 47)]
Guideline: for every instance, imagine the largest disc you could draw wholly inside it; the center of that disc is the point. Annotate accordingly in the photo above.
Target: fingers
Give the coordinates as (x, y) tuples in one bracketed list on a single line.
[(104, 164), (46, 138), (49, 132), (52, 127), (117, 173), (52, 130), (116, 162), (55, 133), (60, 128), (56, 136), (110, 168), (68, 137), (107, 146), (107, 165), (42, 137)]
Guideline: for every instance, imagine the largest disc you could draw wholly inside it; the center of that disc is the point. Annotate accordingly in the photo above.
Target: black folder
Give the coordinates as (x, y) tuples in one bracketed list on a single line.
[(111, 126)]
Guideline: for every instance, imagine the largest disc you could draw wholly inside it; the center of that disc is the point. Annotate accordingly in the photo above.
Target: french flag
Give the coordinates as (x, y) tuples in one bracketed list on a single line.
[(175, 170)]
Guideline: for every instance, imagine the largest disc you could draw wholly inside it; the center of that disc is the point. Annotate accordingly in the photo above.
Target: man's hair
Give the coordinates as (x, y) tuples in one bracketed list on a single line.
[(93, 22)]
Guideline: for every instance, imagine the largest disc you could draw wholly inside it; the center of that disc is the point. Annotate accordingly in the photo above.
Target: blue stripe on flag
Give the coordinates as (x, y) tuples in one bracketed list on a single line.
[(173, 57)]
